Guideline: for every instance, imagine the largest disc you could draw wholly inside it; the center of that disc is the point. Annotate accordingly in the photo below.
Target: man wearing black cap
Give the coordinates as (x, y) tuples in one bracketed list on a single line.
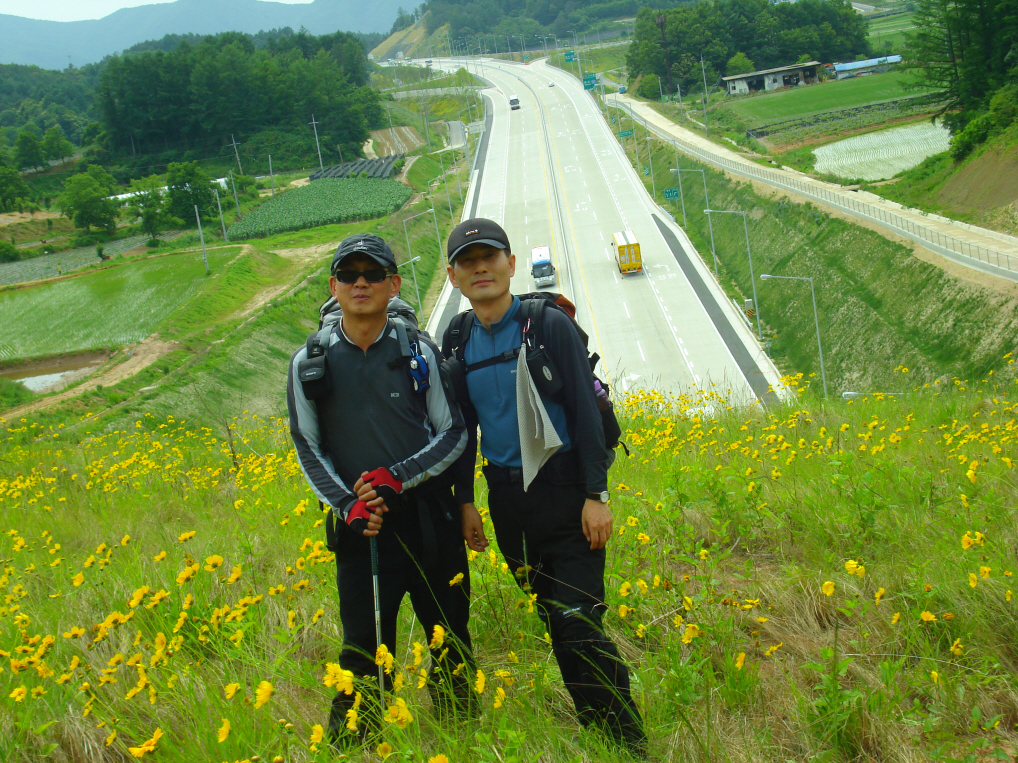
[(376, 440), (553, 530)]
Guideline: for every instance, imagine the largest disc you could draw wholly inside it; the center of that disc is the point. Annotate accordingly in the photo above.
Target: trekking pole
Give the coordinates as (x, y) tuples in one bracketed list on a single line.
[(378, 623)]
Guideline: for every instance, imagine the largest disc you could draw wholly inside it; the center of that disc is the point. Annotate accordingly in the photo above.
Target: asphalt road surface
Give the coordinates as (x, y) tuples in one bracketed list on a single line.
[(554, 174)]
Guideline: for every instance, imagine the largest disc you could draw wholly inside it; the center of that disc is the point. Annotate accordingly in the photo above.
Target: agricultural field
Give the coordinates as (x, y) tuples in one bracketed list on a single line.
[(880, 155), (887, 34), (50, 265), (108, 308), (321, 203), (800, 102), (27, 227)]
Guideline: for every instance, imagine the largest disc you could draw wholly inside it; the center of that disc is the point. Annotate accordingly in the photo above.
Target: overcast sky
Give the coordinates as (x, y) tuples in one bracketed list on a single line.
[(78, 10)]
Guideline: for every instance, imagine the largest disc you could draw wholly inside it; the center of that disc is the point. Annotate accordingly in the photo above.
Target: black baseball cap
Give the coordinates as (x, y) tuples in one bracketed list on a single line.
[(364, 243), (478, 230)]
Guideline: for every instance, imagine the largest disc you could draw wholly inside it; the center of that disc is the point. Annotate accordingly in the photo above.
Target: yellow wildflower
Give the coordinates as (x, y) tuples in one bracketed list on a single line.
[(263, 694), (827, 588), (224, 730)]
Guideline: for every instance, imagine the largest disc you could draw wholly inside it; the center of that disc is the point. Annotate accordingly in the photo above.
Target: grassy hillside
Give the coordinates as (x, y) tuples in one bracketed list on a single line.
[(887, 34), (811, 582)]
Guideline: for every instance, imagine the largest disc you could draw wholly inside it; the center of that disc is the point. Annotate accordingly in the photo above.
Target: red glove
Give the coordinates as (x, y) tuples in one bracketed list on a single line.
[(385, 483), (358, 516)]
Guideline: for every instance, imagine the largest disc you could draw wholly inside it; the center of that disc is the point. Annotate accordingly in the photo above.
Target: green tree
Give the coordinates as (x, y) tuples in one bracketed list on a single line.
[(149, 206), (105, 180), (739, 64), (188, 186), (55, 145), (648, 88), (12, 188), (9, 252), (86, 203), (28, 151)]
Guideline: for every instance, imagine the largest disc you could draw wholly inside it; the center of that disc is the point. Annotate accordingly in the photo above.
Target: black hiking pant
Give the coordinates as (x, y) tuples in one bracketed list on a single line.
[(541, 537), (420, 550)]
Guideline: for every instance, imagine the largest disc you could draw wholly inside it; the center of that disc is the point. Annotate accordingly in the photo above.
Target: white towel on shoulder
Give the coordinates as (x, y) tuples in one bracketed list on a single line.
[(538, 439)]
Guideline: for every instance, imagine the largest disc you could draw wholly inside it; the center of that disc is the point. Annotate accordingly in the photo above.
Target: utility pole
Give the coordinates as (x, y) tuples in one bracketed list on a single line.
[(678, 89), (237, 153), (272, 180), (704, 73), (314, 124), (226, 238), (235, 199), (201, 236)]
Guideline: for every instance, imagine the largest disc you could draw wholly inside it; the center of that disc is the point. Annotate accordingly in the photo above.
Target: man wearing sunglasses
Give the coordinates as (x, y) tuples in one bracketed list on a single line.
[(377, 446)]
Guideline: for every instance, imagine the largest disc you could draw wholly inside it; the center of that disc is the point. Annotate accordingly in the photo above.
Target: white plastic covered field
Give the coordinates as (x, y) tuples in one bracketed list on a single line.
[(880, 155)]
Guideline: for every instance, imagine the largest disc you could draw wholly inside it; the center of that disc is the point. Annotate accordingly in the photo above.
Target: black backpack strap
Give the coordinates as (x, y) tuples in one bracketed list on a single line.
[(503, 357), (403, 337), (457, 334)]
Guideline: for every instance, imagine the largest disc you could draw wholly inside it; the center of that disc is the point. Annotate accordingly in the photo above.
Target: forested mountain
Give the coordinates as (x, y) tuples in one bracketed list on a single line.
[(52, 44), (200, 95), (769, 35), (39, 99), (530, 17)]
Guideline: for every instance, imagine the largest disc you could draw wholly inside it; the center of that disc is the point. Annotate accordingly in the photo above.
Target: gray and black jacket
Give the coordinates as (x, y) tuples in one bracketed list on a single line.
[(372, 418)]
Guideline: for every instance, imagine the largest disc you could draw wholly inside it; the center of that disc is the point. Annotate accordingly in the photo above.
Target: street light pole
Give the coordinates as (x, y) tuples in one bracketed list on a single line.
[(752, 279), (650, 161), (410, 255), (816, 319)]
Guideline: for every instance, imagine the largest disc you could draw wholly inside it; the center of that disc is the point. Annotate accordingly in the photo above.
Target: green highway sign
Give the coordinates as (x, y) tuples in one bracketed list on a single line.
[(526, 58), (570, 56), (625, 133), (671, 193), (589, 81)]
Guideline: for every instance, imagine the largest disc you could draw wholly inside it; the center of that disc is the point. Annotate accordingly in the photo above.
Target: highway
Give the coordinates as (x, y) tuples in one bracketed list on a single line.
[(554, 174)]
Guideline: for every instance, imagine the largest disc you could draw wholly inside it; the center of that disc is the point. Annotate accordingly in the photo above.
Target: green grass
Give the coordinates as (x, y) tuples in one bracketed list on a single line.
[(13, 393), (887, 34), (752, 526), (459, 78), (611, 61), (796, 103), (36, 230), (106, 308)]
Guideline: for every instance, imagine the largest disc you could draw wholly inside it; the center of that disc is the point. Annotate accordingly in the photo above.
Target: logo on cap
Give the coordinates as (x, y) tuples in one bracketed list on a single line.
[(470, 232)]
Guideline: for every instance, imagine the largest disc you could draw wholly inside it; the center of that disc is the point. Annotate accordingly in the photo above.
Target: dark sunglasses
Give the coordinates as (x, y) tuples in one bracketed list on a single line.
[(371, 276)]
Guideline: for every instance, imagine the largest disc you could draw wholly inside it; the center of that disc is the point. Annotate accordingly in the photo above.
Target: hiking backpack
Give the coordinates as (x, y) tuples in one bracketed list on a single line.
[(313, 371), (541, 365)]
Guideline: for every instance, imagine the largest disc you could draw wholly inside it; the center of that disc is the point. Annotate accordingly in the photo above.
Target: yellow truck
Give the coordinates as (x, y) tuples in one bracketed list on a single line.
[(626, 249)]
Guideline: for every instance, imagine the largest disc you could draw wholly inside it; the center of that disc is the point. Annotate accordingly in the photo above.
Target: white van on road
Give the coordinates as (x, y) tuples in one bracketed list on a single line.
[(514, 102), (540, 266)]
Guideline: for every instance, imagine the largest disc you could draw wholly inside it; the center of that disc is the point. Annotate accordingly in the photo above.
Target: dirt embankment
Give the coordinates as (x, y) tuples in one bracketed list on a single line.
[(988, 182)]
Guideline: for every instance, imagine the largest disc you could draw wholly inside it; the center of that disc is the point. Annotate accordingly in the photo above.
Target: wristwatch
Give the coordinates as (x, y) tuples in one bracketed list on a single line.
[(603, 496)]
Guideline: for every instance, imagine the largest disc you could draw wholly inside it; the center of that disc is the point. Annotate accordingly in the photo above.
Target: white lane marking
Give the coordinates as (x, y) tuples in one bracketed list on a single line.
[(601, 235), (640, 348), (615, 277), (626, 307)]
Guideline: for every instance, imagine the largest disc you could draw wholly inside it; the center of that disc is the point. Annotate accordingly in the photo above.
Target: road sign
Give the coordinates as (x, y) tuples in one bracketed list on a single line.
[(671, 193), (526, 58), (570, 56), (646, 170), (625, 133), (613, 120)]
